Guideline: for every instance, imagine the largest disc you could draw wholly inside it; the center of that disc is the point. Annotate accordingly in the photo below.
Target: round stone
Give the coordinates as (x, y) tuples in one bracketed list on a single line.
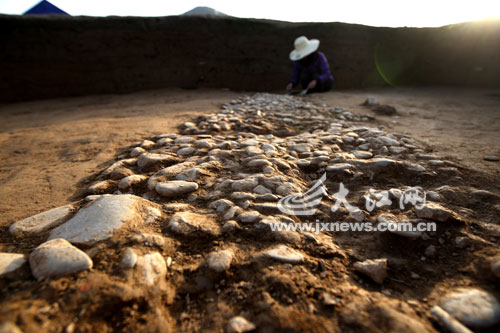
[(58, 257), (175, 188), (474, 307)]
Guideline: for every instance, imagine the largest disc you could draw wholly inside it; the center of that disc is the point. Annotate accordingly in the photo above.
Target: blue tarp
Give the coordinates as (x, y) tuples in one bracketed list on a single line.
[(44, 7)]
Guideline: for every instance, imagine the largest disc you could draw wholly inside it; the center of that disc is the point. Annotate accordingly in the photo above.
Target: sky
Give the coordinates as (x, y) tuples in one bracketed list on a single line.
[(389, 13)]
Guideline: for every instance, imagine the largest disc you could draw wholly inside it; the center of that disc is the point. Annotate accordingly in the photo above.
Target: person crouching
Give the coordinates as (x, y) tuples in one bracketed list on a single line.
[(310, 67)]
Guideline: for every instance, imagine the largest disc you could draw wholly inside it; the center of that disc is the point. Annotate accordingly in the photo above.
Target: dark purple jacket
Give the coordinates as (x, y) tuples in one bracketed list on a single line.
[(319, 69)]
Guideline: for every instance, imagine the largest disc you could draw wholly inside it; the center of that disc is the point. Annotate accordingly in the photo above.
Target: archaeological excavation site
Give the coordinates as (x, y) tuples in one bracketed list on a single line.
[(204, 199)]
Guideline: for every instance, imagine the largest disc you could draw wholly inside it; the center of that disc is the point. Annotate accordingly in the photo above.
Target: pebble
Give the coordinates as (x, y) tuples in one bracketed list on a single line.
[(147, 239), (375, 162), (188, 222), (362, 154), (253, 150), (147, 160), (100, 218), (175, 188), (146, 144), (169, 172), (495, 266), (120, 172), (239, 324), (259, 189), (220, 261), (388, 141), (231, 212), (287, 189), (242, 196), (475, 308), (127, 182), (184, 139), (436, 162), (462, 242), (375, 269), (151, 269), (259, 163), (41, 222), (249, 217), (328, 299), (250, 142), (163, 142), (433, 196), (285, 254), (371, 101), (397, 150), (186, 151), (267, 197), (244, 185), (10, 262), (357, 215), (57, 257), (137, 151), (203, 144), (337, 167), (430, 251), (220, 205), (129, 258), (491, 158), (434, 211), (301, 148), (100, 187), (230, 226)]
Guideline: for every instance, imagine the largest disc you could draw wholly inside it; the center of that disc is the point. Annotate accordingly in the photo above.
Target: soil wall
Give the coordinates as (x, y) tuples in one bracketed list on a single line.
[(45, 57)]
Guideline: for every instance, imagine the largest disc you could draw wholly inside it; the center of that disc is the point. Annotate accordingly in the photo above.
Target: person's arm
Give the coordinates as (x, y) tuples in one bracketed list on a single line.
[(324, 68), (295, 74)]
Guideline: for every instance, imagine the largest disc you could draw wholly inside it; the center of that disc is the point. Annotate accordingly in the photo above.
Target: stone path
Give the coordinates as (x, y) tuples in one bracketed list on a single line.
[(193, 216)]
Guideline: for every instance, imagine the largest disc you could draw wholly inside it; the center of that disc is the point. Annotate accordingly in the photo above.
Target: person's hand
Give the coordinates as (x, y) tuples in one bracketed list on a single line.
[(312, 84), (289, 87)]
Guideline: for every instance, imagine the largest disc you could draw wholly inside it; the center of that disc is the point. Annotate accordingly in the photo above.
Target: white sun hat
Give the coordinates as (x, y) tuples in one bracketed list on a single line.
[(303, 48)]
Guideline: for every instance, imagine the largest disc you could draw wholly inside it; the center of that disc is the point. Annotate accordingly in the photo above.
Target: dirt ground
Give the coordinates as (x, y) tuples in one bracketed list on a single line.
[(49, 146)]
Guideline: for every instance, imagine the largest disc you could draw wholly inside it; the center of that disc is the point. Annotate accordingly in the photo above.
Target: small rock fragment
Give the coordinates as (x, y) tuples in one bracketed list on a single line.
[(495, 266), (434, 211), (187, 222), (239, 324), (127, 182), (220, 261), (249, 217), (430, 251), (10, 262), (129, 258), (285, 254), (375, 269), (151, 269)]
